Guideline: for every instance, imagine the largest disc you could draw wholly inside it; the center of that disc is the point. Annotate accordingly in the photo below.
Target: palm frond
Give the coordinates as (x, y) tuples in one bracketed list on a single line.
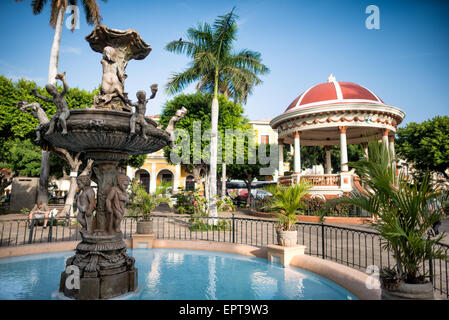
[(91, 12)]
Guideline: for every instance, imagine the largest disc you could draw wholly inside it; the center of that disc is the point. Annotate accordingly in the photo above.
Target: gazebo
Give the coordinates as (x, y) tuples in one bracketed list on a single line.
[(328, 114)]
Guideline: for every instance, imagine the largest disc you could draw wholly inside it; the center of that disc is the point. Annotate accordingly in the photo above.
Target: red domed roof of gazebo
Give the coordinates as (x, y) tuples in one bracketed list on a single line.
[(333, 92)]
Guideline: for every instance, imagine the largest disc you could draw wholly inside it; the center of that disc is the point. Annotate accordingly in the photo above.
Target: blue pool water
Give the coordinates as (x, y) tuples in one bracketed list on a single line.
[(177, 274)]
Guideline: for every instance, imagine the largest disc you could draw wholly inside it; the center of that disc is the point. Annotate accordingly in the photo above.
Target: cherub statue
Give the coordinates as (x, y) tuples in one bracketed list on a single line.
[(85, 203), (179, 114), (62, 110), (115, 203), (141, 108), (112, 82), (38, 113)]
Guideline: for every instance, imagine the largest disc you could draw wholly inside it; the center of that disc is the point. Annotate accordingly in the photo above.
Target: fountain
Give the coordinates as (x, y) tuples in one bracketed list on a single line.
[(101, 268)]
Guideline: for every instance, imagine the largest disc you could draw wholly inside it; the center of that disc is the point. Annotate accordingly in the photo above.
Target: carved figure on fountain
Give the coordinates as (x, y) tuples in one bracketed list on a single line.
[(141, 108), (62, 109), (116, 203), (38, 113), (85, 204)]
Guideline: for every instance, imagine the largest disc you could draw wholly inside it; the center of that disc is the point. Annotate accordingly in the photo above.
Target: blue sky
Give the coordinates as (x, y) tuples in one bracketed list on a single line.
[(405, 62)]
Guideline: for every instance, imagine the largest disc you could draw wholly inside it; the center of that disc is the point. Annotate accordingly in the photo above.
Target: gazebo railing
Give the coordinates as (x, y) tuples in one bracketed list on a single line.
[(320, 180), (317, 180)]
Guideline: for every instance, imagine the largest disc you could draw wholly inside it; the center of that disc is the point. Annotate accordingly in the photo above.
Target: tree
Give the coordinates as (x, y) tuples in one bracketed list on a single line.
[(75, 161), (247, 171), (58, 7), (198, 110), (17, 152), (425, 145), (210, 47)]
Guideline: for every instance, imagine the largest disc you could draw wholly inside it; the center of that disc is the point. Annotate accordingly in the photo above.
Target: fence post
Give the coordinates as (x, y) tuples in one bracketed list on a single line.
[(233, 228), (431, 270), (322, 239), (50, 230), (30, 237)]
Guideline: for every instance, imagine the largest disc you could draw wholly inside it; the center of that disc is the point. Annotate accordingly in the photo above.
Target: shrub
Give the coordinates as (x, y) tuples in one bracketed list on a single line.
[(184, 203)]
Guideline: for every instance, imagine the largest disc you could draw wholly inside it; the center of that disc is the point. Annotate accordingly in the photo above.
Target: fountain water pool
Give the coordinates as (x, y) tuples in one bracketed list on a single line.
[(179, 274)]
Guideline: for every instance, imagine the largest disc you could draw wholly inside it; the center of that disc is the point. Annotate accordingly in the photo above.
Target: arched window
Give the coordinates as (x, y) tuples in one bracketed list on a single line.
[(190, 183), (144, 179)]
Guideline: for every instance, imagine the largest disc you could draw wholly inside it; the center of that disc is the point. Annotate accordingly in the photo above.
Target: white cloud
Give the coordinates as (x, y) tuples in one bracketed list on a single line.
[(74, 50)]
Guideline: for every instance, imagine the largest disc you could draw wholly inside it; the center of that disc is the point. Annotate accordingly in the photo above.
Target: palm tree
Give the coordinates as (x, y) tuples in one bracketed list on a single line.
[(288, 201), (403, 210), (216, 69), (92, 14)]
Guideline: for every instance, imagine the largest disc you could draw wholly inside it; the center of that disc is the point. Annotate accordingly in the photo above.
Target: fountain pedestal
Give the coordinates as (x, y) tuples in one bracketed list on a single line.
[(104, 269)]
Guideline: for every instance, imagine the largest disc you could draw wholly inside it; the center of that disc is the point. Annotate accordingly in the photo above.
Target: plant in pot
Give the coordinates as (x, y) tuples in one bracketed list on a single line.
[(404, 222), (142, 203), (287, 201)]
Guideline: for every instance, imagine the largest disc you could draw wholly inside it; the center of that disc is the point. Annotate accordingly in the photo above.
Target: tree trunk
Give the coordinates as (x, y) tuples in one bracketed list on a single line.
[(223, 180), (55, 47), (248, 186), (42, 193), (213, 159), (73, 184), (68, 206)]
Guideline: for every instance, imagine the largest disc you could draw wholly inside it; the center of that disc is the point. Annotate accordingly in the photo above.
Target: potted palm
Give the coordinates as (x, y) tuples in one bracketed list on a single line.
[(142, 203), (288, 200), (404, 221)]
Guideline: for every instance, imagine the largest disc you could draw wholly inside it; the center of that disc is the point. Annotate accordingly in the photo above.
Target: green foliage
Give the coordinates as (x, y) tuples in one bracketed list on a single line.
[(214, 66), (17, 128), (315, 155), (198, 107), (425, 145), (314, 205), (225, 205), (135, 161), (288, 201), (17, 124), (199, 225), (22, 157), (184, 203), (141, 203), (403, 210)]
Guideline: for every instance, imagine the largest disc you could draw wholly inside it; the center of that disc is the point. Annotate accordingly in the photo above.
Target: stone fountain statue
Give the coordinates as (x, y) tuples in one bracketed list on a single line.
[(141, 108), (117, 47), (62, 110), (107, 133), (38, 113)]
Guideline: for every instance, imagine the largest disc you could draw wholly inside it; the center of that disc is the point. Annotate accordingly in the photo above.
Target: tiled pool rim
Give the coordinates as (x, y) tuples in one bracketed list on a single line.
[(352, 280)]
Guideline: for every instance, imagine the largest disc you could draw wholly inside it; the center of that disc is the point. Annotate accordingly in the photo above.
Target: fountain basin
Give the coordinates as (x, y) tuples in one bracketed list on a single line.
[(105, 135)]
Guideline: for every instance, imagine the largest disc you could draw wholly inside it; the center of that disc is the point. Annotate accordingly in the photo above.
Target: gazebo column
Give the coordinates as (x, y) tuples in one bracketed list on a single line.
[(297, 155), (343, 149), (281, 157), (328, 160), (365, 149), (385, 133), (391, 145)]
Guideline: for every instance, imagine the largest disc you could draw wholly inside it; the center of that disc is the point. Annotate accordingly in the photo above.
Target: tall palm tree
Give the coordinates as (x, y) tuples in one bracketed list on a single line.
[(92, 14), (216, 69)]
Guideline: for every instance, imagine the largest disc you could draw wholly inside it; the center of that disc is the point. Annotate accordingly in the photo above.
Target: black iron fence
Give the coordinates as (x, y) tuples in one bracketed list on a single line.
[(356, 248)]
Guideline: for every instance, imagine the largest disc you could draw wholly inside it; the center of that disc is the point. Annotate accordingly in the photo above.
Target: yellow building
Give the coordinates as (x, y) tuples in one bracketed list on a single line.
[(156, 168)]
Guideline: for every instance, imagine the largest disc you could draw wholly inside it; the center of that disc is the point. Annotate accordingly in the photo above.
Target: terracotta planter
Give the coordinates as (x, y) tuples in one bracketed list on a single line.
[(144, 227), (287, 238), (407, 291), (316, 219)]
